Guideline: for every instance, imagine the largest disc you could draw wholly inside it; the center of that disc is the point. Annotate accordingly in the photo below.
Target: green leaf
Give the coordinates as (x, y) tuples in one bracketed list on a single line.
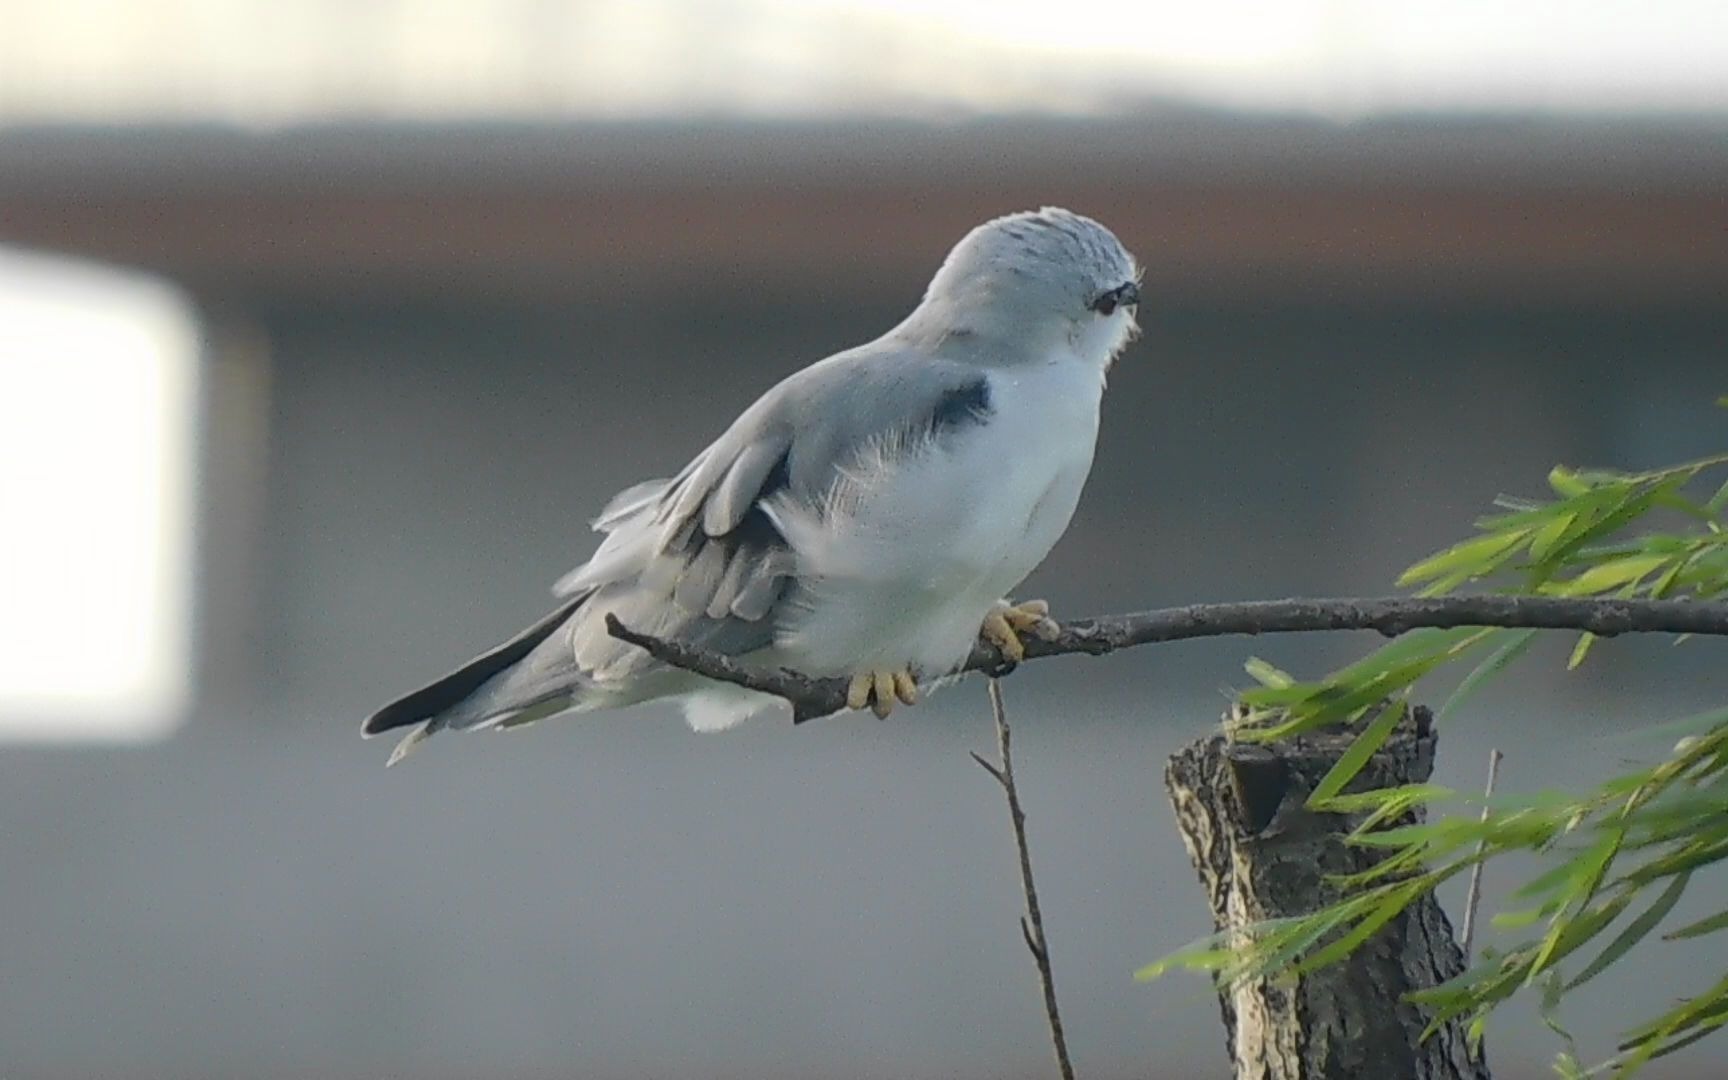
[(1612, 574), (1517, 920), (1702, 852), (1634, 932), (1187, 960), (1475, 556), (1707, 1011), (1633, 503), (1664, 585), (1414, 647), (1567, 483), (1704, 1029), (1718, 500), (1517, 645), (1580, 650), (1550, 535), (1549, 880), (1267, 675), (1567, 935), (1389, 908), (1707, 722), (1718, 921), (1356, 755), (1402, 796), (1317, 926)]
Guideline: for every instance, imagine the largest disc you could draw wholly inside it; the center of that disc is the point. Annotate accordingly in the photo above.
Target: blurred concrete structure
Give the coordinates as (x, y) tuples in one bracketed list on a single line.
[(433, 352)]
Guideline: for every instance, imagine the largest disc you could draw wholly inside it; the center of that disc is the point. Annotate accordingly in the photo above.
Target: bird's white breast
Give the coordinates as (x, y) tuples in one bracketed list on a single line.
[(935, 538)]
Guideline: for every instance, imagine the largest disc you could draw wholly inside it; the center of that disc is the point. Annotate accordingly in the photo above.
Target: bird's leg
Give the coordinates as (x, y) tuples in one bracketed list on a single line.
[(880, 689), (1006, 622)]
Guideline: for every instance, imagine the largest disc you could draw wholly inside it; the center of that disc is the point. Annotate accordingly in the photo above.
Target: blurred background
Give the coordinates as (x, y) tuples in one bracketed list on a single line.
[(326, 326)]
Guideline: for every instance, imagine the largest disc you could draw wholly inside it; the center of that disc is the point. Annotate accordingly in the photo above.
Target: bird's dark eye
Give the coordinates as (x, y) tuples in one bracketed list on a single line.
[(1125, 295)]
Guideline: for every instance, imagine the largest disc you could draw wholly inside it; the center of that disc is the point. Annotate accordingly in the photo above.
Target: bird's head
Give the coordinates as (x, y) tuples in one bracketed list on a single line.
[(1034, 282)]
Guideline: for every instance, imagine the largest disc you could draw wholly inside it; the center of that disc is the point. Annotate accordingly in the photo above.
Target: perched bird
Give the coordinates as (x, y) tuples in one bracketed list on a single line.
[(863, 519)]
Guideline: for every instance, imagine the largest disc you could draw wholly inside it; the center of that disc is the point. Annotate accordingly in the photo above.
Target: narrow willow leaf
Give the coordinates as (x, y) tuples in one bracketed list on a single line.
[(1404, 796), (1568, 874), (1402, 836), (1549, 536), (1197, 960), (1267, 675), (1396, 866), (1356, 755), (1657, 1038), (1349, 694), (1389, 908), (1567, 483), (1637, 930), (1718, 921), (1580, 650), (1594, 865), (1718, 500), (1567, 935), (1444, 585), (1679, 504), (1612, 575), (1517, 920), (1217, 951), (1503, 983), (1278, 697), (1549, 1010), (1461, 988), (1683, 471), (1664, 585), (1690, 857), (1283, 953), (1393, 809), (1478, 555), (1474, 1034), (1634, 504), (1675, 1018), (1517, 644), (1681, 1043), (1409, 648)]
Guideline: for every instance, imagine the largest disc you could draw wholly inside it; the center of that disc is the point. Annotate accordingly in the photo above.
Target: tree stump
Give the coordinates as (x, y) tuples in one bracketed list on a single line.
[(1262, 855)]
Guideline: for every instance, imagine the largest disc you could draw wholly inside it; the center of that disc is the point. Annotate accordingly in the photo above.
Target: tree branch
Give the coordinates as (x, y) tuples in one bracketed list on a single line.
[(1391, 616), (1473, 898), (1031, 923)]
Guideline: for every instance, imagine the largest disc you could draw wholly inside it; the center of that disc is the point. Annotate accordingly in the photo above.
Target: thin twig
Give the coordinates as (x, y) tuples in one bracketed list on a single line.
[(1032, 923), (1390, 616), (1473, 898)]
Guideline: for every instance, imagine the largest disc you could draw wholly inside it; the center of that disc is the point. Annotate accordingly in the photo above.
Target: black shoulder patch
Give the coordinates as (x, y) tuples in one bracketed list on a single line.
[(755, 528), (962, 407), (779, 478)]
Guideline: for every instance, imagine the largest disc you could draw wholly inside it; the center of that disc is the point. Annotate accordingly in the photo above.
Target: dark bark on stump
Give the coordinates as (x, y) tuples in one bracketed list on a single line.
[(1261, 855)]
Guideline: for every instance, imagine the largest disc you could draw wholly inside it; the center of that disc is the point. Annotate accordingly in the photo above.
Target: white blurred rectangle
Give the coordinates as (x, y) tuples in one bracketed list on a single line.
[(98, 389)]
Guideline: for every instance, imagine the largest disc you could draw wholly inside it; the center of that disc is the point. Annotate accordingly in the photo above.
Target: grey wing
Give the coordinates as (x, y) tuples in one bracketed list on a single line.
[(699, 557)]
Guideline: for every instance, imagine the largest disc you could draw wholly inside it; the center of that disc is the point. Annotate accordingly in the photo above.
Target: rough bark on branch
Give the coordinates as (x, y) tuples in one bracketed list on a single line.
[(1391, 616), (1261, 854)]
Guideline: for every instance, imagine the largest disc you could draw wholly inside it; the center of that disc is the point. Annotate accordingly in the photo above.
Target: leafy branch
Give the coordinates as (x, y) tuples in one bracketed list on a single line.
[(1622, 853)]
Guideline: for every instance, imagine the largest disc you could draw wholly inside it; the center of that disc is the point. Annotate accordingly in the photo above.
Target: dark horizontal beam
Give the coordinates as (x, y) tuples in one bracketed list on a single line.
[(1346, 215)]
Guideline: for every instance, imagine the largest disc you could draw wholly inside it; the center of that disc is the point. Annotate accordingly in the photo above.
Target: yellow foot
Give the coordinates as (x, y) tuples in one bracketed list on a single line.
[(1006, 623), (880, 689)]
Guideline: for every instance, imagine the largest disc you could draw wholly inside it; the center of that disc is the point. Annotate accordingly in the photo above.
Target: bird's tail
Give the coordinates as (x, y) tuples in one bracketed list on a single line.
[(434, 705)]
